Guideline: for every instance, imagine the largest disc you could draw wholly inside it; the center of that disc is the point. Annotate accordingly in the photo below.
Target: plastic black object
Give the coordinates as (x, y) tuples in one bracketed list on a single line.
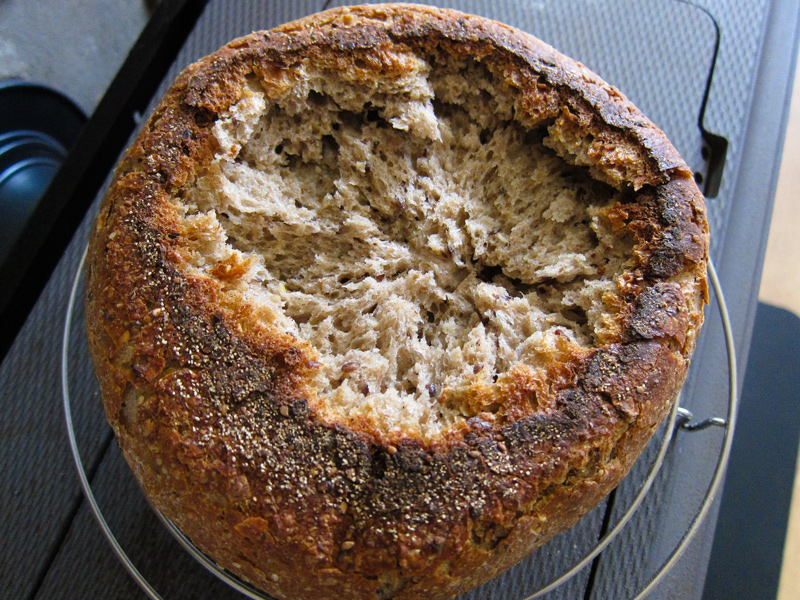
[(37, 127), (748, 548), (41, 245)]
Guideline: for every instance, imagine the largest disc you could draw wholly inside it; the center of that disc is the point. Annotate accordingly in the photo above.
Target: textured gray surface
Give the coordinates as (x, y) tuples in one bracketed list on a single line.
[(171, 571), (663, 69), (741, 29), (76, 46), (39, 491)]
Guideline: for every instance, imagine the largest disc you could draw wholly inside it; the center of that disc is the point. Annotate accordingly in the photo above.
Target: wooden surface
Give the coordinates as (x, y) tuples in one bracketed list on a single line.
[(780, 286)]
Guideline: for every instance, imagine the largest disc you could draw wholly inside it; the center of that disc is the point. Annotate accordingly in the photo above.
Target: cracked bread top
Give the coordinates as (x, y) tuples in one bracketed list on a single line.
[(384, 298)]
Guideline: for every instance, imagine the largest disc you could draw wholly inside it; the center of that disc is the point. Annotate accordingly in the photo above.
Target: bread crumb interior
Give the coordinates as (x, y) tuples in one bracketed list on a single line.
[(409, 229)]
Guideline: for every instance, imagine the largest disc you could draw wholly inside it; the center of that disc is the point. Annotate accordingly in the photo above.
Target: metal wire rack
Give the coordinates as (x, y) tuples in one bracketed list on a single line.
[(679, 419)]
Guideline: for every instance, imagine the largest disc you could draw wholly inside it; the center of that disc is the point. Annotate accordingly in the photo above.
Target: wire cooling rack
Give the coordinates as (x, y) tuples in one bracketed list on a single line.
[(679, 419)]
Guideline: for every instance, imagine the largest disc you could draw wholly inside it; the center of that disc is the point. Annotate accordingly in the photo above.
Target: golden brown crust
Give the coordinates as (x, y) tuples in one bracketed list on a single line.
[(211, 409)]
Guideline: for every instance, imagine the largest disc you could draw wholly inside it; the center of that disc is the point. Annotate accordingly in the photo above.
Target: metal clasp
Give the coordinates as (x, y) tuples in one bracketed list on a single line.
[(684, 417)]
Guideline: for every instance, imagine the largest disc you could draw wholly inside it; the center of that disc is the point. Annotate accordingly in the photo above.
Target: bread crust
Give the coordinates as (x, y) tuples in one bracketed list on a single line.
[(211, 408)]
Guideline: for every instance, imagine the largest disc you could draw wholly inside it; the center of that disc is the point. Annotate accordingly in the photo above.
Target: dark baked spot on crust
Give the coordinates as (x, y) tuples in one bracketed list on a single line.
[(673, 237), (660, 311), (627, 374)]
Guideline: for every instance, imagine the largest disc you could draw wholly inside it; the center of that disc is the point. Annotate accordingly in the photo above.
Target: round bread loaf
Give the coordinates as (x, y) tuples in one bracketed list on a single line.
[(383, 299)]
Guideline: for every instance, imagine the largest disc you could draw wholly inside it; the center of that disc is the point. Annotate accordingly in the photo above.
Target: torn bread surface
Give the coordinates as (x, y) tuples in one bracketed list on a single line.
[(421, 240)]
